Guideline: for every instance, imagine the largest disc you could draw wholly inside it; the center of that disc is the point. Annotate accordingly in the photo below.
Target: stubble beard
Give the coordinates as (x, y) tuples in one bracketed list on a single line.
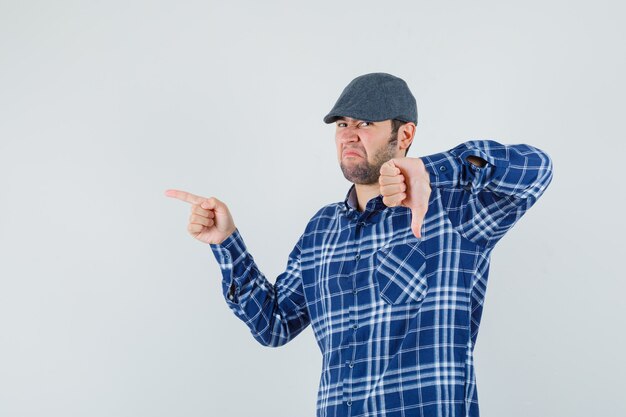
[(365, 172)]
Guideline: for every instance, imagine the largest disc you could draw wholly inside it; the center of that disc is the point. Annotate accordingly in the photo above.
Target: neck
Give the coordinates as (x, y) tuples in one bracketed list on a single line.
[(365, 192)]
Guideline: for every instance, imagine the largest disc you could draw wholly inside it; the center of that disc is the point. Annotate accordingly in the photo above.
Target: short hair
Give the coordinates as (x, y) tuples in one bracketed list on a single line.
[(395, 126)]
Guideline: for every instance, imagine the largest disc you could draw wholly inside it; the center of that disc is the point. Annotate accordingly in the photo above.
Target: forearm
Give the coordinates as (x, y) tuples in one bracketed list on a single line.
[(514, 170), (274, 313), (486, 187)]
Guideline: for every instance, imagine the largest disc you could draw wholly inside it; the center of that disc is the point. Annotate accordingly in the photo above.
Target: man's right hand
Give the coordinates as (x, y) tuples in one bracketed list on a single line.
[(210, 220), (405, 181)]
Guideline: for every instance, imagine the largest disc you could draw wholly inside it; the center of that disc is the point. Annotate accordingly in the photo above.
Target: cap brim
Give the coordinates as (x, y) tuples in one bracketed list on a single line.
[(332, 117)]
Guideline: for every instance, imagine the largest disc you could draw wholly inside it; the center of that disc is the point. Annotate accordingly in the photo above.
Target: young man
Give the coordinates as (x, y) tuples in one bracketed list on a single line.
[(393, 278)]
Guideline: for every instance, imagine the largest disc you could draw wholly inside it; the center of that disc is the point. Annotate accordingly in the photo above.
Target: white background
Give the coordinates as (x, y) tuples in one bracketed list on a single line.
[(109, 308)]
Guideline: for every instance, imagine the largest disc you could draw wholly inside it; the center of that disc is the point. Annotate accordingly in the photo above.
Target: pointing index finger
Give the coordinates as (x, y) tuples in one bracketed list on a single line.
[(184, 196)]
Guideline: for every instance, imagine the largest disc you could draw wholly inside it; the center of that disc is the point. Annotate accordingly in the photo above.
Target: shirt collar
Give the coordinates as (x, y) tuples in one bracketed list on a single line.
[(351, 201)]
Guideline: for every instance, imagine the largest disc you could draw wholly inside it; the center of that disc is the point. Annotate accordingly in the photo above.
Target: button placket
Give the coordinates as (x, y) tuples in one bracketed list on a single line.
[(357, 231), (353, 317)]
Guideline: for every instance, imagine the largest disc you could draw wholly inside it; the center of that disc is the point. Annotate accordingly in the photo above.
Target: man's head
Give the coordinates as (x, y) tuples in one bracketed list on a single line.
[(375, 118)]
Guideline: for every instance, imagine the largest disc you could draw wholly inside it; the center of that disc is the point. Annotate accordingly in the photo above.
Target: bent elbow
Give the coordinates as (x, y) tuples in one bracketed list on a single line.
[(539, 171), (545, 172), (271, 340)]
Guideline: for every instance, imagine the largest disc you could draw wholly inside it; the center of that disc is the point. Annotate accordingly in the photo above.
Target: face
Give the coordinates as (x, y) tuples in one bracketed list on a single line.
[(363, 147)]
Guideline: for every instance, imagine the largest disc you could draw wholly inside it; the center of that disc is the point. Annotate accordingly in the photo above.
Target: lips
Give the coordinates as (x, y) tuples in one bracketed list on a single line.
[(351, 153)]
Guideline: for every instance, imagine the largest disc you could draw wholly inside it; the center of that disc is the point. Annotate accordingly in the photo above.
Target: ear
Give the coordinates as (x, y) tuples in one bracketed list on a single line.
[(406, 133)]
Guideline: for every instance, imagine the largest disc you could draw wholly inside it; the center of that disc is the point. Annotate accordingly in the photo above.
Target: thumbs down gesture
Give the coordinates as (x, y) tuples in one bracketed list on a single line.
[(405, 182)]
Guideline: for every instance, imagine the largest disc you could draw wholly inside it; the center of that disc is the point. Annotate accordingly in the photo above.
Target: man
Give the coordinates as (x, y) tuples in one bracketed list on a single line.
[(393, 278)]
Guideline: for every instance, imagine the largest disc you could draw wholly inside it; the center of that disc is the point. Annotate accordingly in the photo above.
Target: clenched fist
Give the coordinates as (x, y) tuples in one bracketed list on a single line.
[(405, 182), (210, 220)]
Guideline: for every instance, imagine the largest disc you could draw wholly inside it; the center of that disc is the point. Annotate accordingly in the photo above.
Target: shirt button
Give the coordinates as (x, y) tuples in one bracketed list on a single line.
[(357, 257), (442, 168), (354, 292), (349, 403), (351, 364), (356, 326)]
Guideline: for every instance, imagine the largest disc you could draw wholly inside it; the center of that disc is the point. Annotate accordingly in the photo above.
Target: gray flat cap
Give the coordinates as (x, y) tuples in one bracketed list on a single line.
[(374, 97)]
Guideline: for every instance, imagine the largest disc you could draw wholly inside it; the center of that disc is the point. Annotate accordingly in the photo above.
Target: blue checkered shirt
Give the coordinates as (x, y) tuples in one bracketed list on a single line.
[(395, 317)]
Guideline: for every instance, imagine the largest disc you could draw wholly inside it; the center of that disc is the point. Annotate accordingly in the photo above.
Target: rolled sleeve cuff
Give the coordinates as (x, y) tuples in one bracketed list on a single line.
[(452, 169), (444, 169)]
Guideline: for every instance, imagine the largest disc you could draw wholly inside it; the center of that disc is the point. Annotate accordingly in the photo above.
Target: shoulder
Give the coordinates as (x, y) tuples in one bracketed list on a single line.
[(329, 211), (324, 216)]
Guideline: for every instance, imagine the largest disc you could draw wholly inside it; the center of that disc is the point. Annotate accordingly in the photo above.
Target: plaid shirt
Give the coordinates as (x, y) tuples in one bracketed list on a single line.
[(396, 317)]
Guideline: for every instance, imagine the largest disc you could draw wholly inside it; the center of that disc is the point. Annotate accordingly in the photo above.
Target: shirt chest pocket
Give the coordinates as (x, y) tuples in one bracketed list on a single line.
[(399, 272)]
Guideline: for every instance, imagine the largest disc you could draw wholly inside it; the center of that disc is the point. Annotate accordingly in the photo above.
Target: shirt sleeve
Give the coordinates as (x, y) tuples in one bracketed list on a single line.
[(275, 313), (483, 203)]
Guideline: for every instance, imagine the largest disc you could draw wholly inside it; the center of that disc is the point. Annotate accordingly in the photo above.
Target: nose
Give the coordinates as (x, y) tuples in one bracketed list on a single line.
[(348, 134)]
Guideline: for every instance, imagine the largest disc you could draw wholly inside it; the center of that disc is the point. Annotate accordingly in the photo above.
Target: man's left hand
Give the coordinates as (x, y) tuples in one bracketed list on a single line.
[(405, 182)]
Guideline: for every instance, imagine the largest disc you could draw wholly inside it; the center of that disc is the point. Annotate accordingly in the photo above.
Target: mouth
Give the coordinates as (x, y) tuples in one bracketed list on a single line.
[(352, 154)]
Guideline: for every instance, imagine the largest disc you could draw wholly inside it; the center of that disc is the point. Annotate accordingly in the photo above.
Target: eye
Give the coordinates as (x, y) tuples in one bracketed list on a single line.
[(363, 123), (341, 124)]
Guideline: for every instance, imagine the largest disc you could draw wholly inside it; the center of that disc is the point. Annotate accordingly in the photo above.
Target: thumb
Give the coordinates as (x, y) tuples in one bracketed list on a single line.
[(417, 219)]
